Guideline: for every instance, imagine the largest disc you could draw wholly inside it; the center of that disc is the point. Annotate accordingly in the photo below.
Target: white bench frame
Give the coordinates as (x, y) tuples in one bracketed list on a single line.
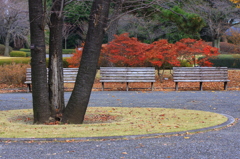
[(127, 74), (200, 74)]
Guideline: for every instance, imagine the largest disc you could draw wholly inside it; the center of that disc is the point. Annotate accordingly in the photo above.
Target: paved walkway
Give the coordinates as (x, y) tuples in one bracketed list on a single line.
[(221, 144)]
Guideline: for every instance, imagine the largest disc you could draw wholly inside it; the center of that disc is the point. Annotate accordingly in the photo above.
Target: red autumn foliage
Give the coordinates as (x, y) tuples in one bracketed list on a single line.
[(125, 51), (161, 52), (188, 49), (74, 61)]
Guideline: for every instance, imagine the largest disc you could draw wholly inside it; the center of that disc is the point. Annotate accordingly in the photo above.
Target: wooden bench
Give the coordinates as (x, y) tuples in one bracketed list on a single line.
[(200, 74), (69, 76), (127, 74)]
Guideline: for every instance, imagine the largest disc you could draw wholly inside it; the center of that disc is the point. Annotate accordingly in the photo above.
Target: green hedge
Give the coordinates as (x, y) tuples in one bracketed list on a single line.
[(68, 51), (28, 52), (18, 54), (25, 50), (24, 60), (230, 61), (27, 60)]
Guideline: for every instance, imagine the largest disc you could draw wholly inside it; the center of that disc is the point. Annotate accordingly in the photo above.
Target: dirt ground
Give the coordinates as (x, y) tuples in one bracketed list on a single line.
[(166, 85)]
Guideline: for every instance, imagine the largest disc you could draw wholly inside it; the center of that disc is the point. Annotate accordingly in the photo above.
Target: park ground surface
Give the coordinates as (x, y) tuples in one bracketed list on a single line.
[(219, 144), (216, 144)]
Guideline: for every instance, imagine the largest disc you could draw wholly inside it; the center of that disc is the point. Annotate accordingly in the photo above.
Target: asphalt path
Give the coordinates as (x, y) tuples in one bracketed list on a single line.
[(217, 144)]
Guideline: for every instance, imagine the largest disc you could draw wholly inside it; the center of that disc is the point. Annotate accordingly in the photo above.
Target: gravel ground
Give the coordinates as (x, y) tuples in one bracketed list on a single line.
[(220, 144)]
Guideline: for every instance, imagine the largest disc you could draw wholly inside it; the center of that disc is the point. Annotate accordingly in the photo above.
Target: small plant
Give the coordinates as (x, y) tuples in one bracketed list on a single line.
[(18, 54)]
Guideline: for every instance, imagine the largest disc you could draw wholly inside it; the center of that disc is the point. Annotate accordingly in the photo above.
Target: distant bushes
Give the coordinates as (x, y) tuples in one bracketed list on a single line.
[(13, 74), (2, 49), (68, 51), (230, 61), (18, 54), (28, 52), (228, 48), (17, 60)]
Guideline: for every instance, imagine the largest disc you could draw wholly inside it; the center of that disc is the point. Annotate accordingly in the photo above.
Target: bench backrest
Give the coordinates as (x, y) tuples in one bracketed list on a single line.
[(69, 75), (127, 74), (206, 74)]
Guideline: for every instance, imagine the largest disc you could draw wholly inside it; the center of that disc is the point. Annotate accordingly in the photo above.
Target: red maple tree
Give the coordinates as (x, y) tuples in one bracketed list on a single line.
[(190, 49), (125, 51)]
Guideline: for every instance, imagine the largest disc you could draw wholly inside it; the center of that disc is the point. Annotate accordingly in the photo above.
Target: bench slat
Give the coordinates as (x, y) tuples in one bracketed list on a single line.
[(127, 74), (200, 74)]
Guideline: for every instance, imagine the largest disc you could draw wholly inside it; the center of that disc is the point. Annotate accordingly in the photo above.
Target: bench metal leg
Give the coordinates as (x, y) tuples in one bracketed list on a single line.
[(29, 88), (176, 86), (201, 86), (127, 86), (152, 86), (102, 86), (225, 85)]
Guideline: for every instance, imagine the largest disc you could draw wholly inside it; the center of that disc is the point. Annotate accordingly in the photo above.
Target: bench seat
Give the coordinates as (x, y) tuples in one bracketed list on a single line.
[(200, 74), (69, 76), (127, 75)]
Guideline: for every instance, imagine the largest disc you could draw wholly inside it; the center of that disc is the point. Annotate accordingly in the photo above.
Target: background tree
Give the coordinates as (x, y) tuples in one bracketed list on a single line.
[(162, 54), (66, 31), (189, 49), (217, 14), (13, 23), (125, 51)]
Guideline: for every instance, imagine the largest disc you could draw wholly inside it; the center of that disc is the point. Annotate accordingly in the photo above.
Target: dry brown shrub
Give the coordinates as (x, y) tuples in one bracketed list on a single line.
[(13, 74)]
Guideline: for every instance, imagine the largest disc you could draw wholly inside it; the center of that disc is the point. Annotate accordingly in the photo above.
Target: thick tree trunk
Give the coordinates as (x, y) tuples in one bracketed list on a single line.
[(55, 81), (41, 107), (78, 102)]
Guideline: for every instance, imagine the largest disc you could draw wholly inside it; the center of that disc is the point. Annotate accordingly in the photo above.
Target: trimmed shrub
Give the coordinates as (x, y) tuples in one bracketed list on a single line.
[(17, 60), (13, 74), (28, 52), (227, 48), (68, 51), (18, 54), (230, 61), (185, 63), (25, 50)]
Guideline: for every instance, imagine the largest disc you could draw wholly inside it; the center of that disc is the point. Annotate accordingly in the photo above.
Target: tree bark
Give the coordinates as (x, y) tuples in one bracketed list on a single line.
[(78, 102), (216, 43), (55, 81), (7, 39), (41, 109)]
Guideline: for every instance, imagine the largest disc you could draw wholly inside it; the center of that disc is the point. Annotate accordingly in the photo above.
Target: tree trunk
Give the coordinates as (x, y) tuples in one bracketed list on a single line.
[(41, 108), (78, 102), (112, 30), (216, 43), (7, 39), (55, 81), (65, 41)]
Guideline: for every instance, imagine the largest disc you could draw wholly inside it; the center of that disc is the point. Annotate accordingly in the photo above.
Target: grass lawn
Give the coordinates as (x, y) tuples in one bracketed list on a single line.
[(109, 121)]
